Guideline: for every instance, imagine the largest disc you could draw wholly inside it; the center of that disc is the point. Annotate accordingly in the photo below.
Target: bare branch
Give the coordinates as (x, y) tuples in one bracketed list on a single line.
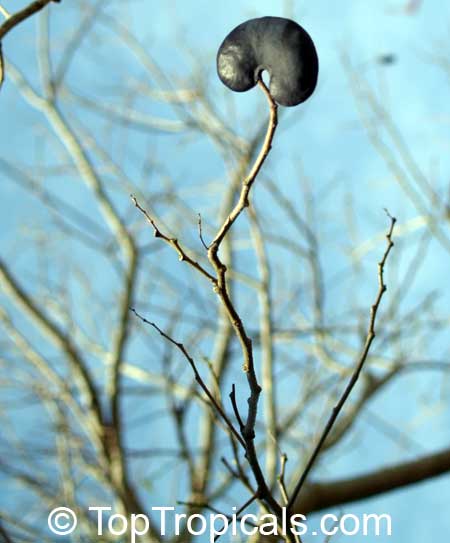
[(235, 408), (182, 255), (23, 301), (281, 479), (324, 495), (238, 326), (363, 357), (17, 18), (4, 12), (198, 377), (200, 232), (266, 335), (249, 180)]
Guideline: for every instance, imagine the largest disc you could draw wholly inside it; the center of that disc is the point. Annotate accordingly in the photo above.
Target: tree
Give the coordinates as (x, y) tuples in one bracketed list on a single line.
[(123, 381)]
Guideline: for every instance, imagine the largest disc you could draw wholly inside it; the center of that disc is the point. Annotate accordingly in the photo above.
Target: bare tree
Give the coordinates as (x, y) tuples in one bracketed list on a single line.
[(233, 377)]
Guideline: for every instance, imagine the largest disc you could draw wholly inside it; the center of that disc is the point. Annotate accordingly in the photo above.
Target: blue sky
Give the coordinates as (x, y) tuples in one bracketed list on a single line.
[(325, 134)]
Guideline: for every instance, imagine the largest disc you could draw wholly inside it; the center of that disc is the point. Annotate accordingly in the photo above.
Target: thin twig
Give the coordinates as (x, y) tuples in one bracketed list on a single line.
[(354, 378), (200, 232), (229, 467), (238, 326), (239, 511), (197, 375), (235, 407), (17, 18), (2, 66), (182, 255), (281, 482), (74, 42), (249, 180), (5, 12)]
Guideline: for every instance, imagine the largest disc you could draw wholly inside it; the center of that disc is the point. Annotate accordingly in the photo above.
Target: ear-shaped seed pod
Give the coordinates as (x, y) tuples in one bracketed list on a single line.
[(278, 45)]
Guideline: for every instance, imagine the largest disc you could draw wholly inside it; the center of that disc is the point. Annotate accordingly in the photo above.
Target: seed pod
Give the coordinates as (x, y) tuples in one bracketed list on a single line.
[(278, 45)]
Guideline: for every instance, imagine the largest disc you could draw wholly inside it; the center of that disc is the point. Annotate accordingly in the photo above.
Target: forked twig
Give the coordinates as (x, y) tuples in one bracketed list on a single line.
[(367, 344), (248, 430), (220, 287), (182, 255), (197, 375)]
